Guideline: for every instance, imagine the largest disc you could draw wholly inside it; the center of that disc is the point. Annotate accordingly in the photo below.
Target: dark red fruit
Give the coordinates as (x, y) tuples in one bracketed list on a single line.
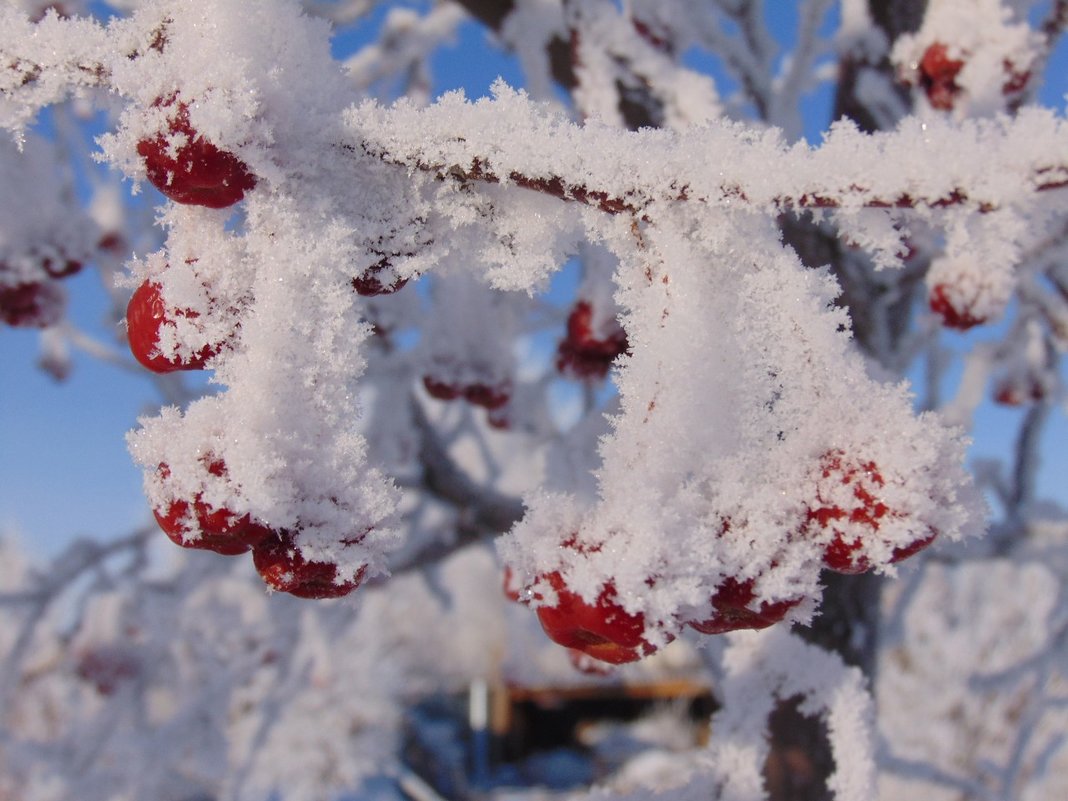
[(1019, 390), (442, 390), (602, 630), (146, 314), (583, 355), (107, 666), (845, 552), (489, 397), (221, 530), (912, 549), (192, 170), (938, 76), (731, 609), (33, 305), (61, 268), (953, 314), (370, 283), (282, 568)]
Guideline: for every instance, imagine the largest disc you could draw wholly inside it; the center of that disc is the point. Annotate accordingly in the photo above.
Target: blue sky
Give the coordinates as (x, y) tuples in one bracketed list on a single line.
[(64, 469)]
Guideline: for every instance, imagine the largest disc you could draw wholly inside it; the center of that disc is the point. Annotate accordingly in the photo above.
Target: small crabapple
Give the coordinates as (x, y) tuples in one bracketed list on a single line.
[(146, 314), (31, 305), (953, 312), (220, 530), (732, 611), (938, 76), (489, 396), (602, 630), (107, 666), (862, 514), (61, 268), (283, 568), (187, 168), (442, 390), (583, 355), (370, 282)]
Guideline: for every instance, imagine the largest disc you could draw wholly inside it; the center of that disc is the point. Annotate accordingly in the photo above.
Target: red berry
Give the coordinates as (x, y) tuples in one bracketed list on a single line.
[(61, 268), (844, 552), (282, 568), (913, 548), (489, 397), (442, 390), (861, 515), (954, 314), (583, 355), (1019, 390), (731, 605), (146, 314), (33, 305), (221, 530), (602, 630), (370, 284), (107, 666), (938, 74), (193, 171)]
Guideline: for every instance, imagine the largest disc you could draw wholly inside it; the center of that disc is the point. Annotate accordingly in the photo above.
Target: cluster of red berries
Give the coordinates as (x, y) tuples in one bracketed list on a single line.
[(604, 631), (193, 523), (488, 396), (584, 355), (1020, 388), (35, 303), (190, 170)]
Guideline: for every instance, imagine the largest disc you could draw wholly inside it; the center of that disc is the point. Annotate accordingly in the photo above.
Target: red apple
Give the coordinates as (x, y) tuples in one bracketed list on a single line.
[(282, 568), (146, 314), (188, 169)]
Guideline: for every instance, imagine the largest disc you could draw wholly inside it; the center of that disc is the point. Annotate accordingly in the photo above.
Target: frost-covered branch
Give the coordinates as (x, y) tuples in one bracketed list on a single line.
[(608, 169)]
